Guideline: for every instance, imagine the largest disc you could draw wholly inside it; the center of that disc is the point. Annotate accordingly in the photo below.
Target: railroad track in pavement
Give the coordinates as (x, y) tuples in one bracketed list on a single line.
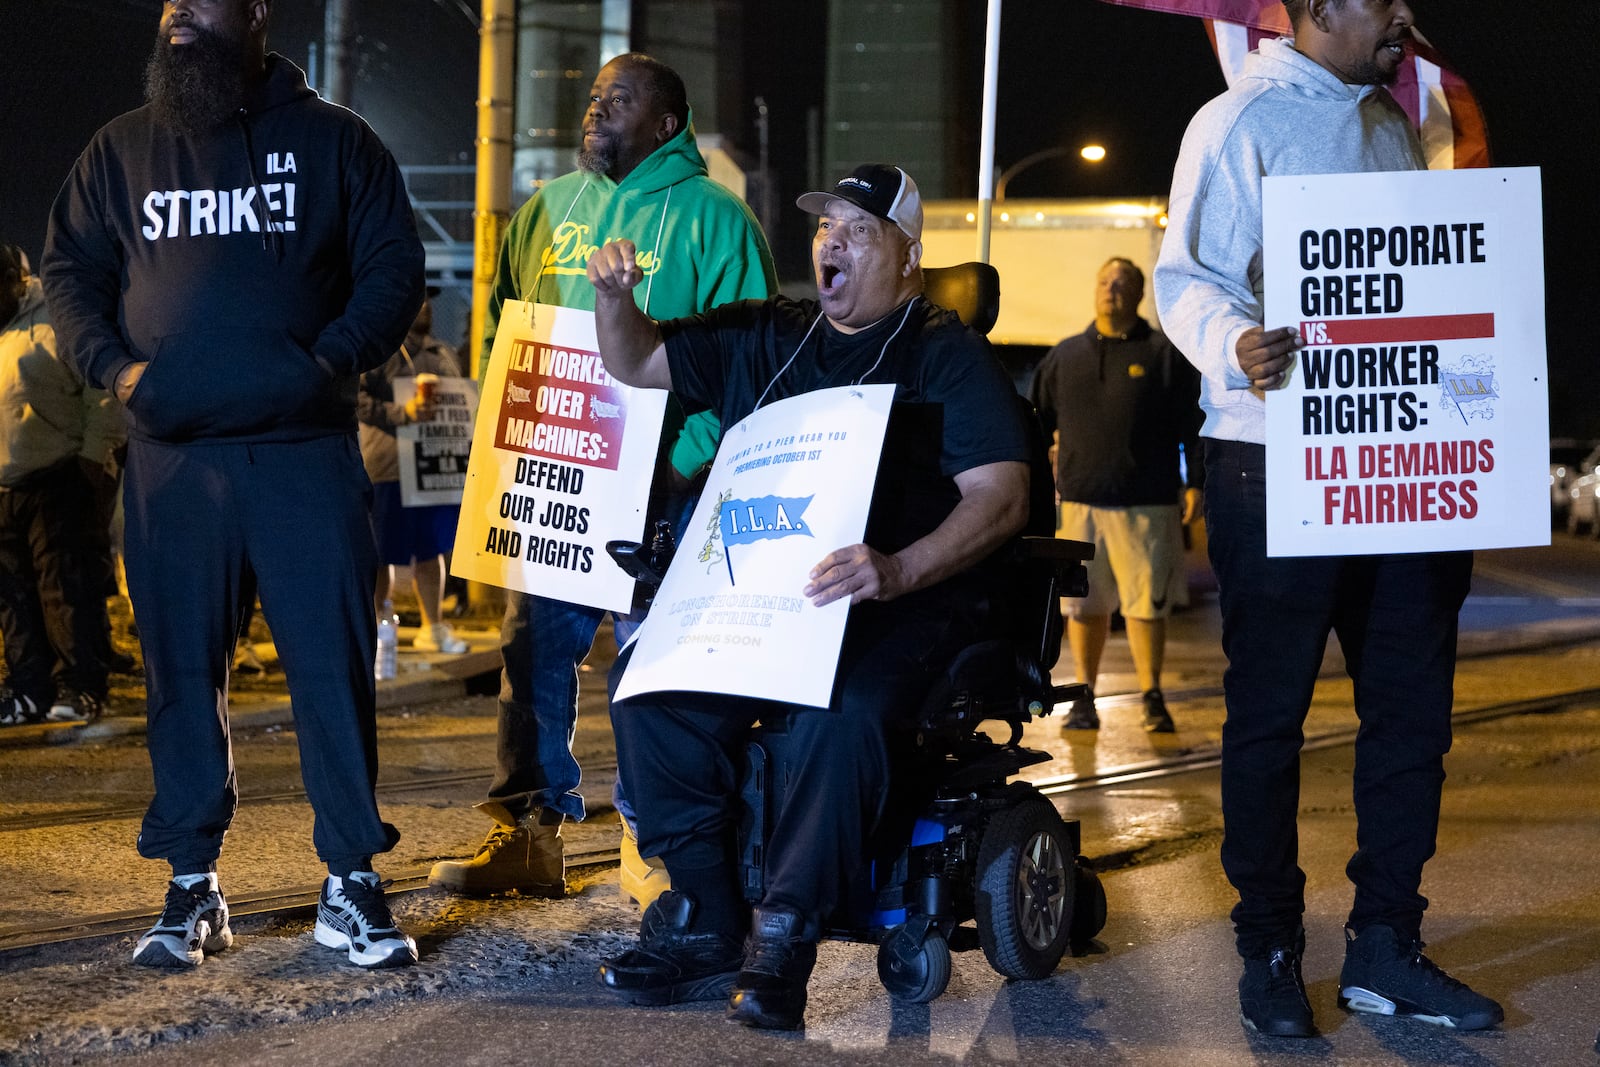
[(291, 901)]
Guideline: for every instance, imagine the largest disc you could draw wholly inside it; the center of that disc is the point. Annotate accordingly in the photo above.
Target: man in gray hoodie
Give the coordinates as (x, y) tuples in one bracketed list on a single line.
[(1311, 105)]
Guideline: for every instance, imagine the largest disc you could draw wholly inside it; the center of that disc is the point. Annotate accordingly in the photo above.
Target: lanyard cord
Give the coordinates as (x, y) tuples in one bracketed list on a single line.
[(542, 271), (881, 352)]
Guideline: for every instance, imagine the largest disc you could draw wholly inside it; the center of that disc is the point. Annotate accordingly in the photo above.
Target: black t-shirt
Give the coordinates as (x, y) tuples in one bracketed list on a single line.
[(954, 408)]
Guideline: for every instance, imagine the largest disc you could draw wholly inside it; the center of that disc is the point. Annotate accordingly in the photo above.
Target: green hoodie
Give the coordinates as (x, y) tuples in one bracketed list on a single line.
[(699, 247)]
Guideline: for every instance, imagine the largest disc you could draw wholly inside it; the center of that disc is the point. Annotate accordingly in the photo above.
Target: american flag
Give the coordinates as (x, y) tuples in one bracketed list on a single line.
[(1440, 104)]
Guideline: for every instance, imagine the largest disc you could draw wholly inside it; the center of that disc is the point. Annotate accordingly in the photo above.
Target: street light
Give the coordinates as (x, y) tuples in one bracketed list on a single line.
[(1092, 153)]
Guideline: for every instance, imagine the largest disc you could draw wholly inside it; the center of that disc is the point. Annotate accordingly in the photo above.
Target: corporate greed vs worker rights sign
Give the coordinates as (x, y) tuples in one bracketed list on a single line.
[(1416, 415), (562, 457)]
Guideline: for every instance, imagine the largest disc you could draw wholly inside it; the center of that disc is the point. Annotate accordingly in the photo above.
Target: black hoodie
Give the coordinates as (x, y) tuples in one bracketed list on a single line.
[(259, 268)]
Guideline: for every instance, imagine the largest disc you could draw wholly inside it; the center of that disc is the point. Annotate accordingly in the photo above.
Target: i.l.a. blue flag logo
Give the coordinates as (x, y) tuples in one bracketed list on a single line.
[(764, 518)]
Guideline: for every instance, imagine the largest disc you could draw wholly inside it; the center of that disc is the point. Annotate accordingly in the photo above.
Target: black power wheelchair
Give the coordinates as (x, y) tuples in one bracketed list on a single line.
[(960, 843)]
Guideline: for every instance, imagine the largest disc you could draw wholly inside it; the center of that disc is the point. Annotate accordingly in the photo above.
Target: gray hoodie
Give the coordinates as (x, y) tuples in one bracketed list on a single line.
[(1286, 114)]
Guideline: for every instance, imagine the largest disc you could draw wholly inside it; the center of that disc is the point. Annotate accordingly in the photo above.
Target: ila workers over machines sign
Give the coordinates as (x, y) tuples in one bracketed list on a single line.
[(561, 463), (1416, 416)]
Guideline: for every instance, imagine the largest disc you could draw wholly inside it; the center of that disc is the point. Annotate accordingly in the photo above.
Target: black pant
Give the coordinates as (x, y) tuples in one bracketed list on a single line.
[(52, 606), (201, 519), (1396, 619), (682, 756)]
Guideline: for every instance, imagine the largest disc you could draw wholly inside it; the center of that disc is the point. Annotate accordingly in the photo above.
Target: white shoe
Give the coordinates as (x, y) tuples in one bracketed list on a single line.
[(193, 924), (439, 638), (353, 915)]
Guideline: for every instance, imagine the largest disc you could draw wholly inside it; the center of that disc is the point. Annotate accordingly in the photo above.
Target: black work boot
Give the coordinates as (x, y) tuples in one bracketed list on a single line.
[(673, 962), (770, 991)]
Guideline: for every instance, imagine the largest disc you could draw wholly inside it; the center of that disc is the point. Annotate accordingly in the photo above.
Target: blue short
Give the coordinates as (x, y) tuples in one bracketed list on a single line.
[(405, 534)]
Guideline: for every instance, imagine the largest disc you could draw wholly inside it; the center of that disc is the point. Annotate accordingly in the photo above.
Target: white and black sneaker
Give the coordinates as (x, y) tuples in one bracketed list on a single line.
[(18, 710), (194, 922), (354, 915)]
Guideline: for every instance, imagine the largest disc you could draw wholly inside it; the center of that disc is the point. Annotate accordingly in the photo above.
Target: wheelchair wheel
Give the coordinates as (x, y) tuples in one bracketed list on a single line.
[(1088, 906), (1025, 890), (914, 973)]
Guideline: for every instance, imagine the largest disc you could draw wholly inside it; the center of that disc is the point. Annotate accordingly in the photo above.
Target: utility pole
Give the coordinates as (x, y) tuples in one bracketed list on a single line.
[(338, 39), (497, 39)]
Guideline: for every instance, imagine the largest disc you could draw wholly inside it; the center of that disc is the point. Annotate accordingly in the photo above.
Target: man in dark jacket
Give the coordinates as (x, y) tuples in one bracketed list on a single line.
[(1123, 406), (228, 259)]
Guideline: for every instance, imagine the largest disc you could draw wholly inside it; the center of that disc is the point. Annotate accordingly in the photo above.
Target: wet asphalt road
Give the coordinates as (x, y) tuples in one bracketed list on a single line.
[(1514, 893)]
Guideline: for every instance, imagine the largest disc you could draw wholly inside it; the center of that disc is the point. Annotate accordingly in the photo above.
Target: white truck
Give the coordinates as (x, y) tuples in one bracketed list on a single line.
[(1047, 253)]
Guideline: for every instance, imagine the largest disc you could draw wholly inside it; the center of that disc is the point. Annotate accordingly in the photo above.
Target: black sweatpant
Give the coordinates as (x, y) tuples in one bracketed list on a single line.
[(682, 756), (201, 518)]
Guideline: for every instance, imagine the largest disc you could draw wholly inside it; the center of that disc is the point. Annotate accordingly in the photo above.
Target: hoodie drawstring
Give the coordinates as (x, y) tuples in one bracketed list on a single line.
[(268, 225), (655, 253)]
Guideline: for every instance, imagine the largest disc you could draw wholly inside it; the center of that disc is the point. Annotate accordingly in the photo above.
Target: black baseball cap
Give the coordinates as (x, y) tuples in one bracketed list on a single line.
[(879, 189)]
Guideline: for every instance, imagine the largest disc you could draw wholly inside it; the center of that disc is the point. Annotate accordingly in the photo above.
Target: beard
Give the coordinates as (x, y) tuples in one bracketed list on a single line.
[(198, 86), (597, 160)]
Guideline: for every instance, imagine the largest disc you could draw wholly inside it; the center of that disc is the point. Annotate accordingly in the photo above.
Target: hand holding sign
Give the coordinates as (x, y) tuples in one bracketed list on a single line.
[(859, 572), (1265, 356)]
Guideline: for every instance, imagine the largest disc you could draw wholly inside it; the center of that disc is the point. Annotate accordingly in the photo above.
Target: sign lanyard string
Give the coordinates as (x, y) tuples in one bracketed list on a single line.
[(797, 348)]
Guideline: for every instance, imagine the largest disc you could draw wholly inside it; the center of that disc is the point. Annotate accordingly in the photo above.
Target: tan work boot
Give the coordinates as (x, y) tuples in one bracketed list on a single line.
[(642, 879), (523, 855)]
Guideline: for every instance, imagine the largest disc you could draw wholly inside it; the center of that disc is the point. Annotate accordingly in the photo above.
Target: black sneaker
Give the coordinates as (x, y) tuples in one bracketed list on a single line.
[(17, 710), (1156, 718), (770, 992), (354, 915), (673, 963), (1386, 974), (1272, 996), (1081, 714), (193, 922), (71, 705)]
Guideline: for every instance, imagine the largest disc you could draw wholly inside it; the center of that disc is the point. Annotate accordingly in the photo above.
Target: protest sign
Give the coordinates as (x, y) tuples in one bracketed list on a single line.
[(561, 463), (1415, 417), (433, 454), (790, 484)]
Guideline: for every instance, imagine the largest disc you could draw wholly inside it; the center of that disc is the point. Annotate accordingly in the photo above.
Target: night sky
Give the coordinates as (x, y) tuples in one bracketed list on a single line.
[(1073, 71)]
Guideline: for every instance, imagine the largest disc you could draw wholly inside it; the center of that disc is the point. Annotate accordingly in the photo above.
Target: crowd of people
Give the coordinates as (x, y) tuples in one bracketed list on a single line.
[(216, 344)]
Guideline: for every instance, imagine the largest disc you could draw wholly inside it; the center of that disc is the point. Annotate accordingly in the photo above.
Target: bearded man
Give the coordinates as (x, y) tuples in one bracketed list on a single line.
[(228, 259)]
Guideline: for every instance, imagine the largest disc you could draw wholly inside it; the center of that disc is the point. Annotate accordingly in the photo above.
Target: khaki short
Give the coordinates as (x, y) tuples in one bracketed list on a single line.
[(1138, 563)]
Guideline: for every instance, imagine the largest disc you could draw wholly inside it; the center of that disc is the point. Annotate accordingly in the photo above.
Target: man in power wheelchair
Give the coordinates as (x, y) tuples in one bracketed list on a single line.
[(928, 586)]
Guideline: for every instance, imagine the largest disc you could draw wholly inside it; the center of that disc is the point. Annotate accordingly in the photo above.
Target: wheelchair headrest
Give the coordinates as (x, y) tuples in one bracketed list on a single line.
[(971, 290)]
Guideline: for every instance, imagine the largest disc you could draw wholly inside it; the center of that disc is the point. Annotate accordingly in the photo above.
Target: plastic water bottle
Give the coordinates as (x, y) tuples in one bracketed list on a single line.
[(388, 643)]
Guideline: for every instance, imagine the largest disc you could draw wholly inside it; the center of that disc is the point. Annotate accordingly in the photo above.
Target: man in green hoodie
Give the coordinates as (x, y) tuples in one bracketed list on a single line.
[(641, 177)]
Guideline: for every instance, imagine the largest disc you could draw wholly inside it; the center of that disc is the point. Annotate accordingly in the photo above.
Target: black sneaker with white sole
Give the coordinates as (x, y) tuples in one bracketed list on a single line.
[(354, 915), (72, 705), (18, 710), (1386, 974), (193, 923)]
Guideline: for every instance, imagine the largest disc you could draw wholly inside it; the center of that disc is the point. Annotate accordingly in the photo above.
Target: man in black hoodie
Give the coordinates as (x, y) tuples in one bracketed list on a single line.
[(229, 259)]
